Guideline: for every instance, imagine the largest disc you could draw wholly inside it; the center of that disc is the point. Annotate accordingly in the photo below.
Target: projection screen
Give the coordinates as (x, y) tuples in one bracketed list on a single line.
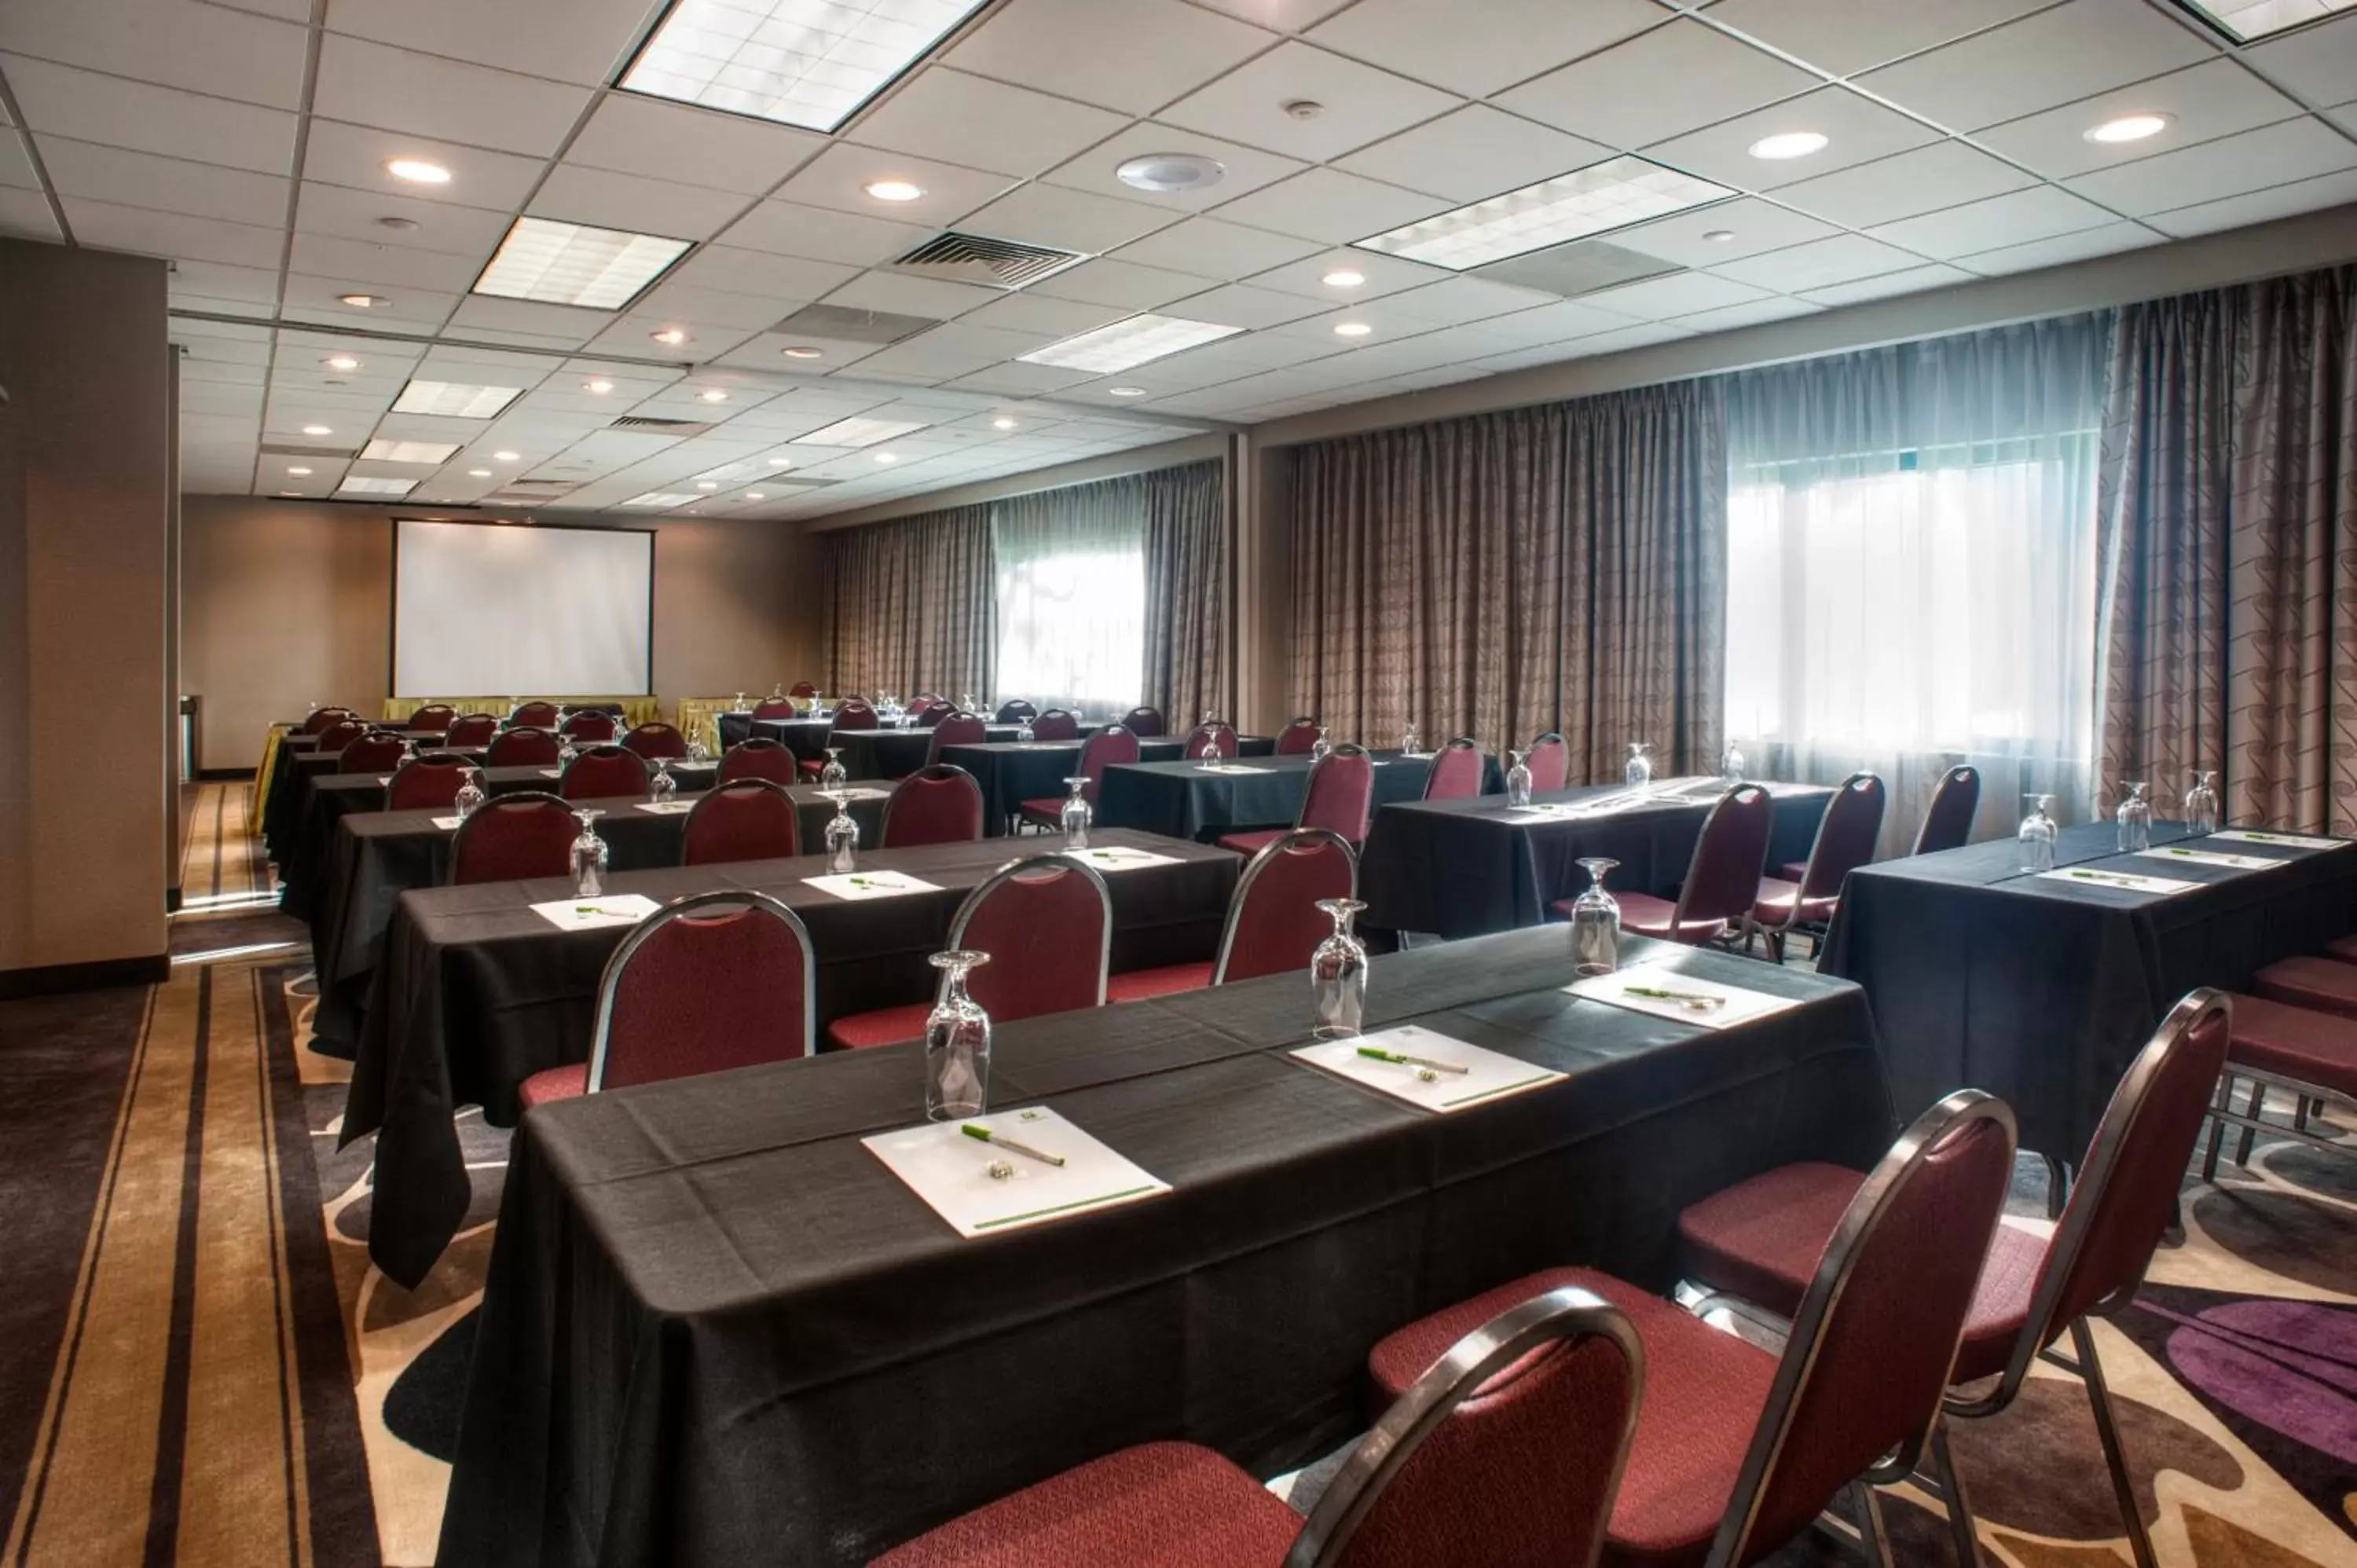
[(514, 610)]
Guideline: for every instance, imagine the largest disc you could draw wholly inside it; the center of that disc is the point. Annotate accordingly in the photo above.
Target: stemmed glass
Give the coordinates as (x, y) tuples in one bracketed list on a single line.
[(2201, 805), (1518, 780), (1076, 815), (589, 855), (566, 750), (965, 702), (1337, 972), (663, 786), (1023, 728), (833, 775), (1641, 766), (1596, 923), (1411, 744), (740, 703), (957, 1043), (841, 836), (1731, 766), (2036, 834), (1322, 750), (470, 794), (2135, 817), (1211, 758)]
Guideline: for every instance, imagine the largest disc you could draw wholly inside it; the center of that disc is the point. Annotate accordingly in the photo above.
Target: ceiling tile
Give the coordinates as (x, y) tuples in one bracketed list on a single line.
[(2017, 217), (2231, 166), (110, 227), (1477, 49), (1557, 323), (218, 282), (758, 273), (1473, 152), (1051, 320), (2209, 101), (719, 308), (355, 155), (910, 295), (1657, 85), (310, 298), (1681, 294), (2086, 243), (1752, 225), (966, 336), (568, 40), (1361, 104), (2080, 48), (1859, 129), (1913, 280), (1818, 264), (174, 43), (1328, 205), (555, 324), (633, 134), (1067, 220), (790, 229), (366, 83), (2259, 206), (349, 214), (1247, 168), (1384, 274), (17, 164), (2320, 62), (366, 262), (1210, 248), (1241, 305), (635, 204), (1131, 55), (1109, 282), (1727, 318), (838, 178), (25, 214), (1846, 37), (948, 115), (58, 100), (164, 185), (1942, 174)]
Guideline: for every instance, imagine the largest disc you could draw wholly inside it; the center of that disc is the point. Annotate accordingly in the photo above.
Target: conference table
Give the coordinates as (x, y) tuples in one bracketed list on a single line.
[(476, 991), (2041, 989), (1185, 800), (717, 1329), (1465, 867), (1011, 772)]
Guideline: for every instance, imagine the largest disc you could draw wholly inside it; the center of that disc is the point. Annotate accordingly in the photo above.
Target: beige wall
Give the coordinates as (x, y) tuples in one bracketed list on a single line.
[(85, 498), (284, 603)]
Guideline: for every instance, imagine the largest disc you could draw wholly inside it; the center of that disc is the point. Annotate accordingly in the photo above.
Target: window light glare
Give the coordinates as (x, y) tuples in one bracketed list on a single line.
[(455, 400), (573, 263), (812, 63), (418, 171), (1789, 145), (2128, 128), (1592, 201), (1131, 342)]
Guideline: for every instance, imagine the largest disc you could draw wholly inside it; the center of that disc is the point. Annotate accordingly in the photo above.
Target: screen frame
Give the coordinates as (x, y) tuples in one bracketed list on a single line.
[(392, 599)]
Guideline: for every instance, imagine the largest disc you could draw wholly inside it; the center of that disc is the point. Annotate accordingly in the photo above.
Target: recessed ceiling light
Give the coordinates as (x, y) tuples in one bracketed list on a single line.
[(356, 486), (363, 301), (671, 335), (1789, 145), (782, 462), (398, 225), (600, 386), (290, 492), (573, 263), (860, 432), (382, 450), (1131, 342), (300, 473), (812, 63), (2128, 128), (755, 496), (2246, 19), (1352, 329), (894, 190), (1343, 278), (1592, 201), (1002, 425), (418, 171), (455, 400), (705, 485), (711, 394), (342, 362), (887, 457), (506, 457), (1126, 391), (1166, 172), (316, 430), (478, 473), (803, 353)]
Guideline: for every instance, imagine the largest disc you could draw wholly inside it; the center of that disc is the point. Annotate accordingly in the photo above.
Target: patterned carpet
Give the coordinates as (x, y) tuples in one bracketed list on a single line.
[(204, 1369)]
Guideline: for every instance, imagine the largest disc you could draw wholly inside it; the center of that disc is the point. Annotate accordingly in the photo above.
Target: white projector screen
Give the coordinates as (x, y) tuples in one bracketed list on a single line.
[(485, 609)]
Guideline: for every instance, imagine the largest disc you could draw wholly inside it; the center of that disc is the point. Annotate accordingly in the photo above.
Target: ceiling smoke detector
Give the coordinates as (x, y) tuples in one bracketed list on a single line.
[(1169, 172), (1304, 108)]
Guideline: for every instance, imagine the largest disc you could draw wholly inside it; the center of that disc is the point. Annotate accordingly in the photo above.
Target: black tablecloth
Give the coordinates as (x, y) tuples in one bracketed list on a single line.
[(2041, 991), (1465, 867), (379, 856), (1011, 772), (476, 992), (716, 1330), (895, 753), (1182, 800)]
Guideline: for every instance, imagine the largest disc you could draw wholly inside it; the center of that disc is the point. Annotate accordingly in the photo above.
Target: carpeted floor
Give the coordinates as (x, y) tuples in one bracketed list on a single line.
[(202, 1367)]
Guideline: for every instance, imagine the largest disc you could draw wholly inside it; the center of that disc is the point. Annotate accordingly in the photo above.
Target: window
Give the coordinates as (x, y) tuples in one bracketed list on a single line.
[(1071, 628)]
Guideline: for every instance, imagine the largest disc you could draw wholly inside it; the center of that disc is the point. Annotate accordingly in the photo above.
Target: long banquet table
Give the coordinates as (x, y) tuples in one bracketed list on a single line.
[(1185, 800), (716, 1330), (1462, 868), (2041, 990), (475, 991), (1011, 772)]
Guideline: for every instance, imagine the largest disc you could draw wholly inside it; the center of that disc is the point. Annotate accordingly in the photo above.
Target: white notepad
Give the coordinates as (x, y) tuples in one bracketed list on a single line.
[(663, 808), (1119, 858), (850, 794), (2282, 840), (447, 823), (590, 914), (860, 885), (950, 1171), (551, 773), (2214, 858), (1230, 768), (2119, 881), (1488, 1076), (1706, 1003)]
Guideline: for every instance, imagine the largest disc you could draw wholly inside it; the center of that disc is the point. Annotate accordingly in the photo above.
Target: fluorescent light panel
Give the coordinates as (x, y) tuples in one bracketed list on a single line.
[(1131, 342), (811, 63), (572, 263), (356, 486), (383, 451), (663, 498), (2248, 20), (1593, 200), (858, 431), (455, 400)]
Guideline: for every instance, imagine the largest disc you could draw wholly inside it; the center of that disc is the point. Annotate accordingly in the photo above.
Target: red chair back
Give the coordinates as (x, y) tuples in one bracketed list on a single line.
[(716, 982), (933, 712), (521, 749), (321, 718), (1147, 721), (745, 819), (602, 773), (337, 736), (514, 838), (1297, 738), (802, 689), (853, 713), (1948, 821), (1199, 739), (758, 758), (1047, 924), (376, 753), (1015, 712), (774, 708), (1722, 879), (958, 729), (1341, 786), (536, 715), (933, 805), (1055, 725), (655, 738), (1456, 772), (1549, 762), (1864, 1372), (434, 718), (426, 783), (471, 731), (1846, 836), (1109, 747), (1274, 921)]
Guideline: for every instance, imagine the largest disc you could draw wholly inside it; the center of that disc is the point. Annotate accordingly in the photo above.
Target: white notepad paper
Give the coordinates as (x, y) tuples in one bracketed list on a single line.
[(1119, 857), (1488, 1076), (1687, 999), (2281, 840), (860, 885), (591, 914), (2214, 858), (1230, 768), (2118, 881), (663, 808), (950, 1171), (446, 823), (551, 773)]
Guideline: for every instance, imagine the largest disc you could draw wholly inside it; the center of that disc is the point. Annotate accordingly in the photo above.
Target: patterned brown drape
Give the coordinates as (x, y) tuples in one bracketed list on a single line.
[(1559, 567), (2228, 517), (1190, 592), (913, 606)]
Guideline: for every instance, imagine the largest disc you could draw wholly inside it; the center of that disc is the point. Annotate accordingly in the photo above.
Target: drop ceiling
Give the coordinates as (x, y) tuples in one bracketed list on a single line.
[(248, 143)]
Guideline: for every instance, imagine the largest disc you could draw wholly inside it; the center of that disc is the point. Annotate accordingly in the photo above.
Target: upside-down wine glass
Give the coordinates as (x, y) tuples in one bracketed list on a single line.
[(1023, 728), (1322, 750), (696, 750), (957, 1043), (589, 855), (2135, 817), (1730, 765), (833, 775), (1411, 744), (2201, 805), (1641, 766), (1338, 973), (566, 750), (663, 786), (842, 836), (2037, 835), (1518, 780), (470, 794), (1596, 923), (1076, 815), (1211, 758), (740, 703)]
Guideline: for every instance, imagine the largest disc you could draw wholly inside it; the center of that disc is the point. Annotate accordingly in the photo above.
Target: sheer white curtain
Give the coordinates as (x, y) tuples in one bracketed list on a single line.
[(1072, 600), (1912, 568)]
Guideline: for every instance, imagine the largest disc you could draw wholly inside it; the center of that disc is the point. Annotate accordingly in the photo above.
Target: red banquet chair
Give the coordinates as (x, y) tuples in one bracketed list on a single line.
[(1109, 747), (1199, 740), (337, 736), (745, 819), (514, 838), (424, 783), (375, 752), (1722, 880), (593, 725), (536, 715), (1016, 711), (1456, 773), (320, 718), (1297, 738), (1047, 924), (958, 729), (471, 732), (1056, 724), (604, 773), (1761, 1241), (802, 689), (1507, 1454), (758, 758), (523, 748), (1145, 722), (854, 713), (1274, 921), (931, 711), (936, 804), (1737, 1451), (655, 738), (774, 708), (1844, 842), (2312, 1055), (434, 718), (1948, 819), (1341, 783), (716, 982), (1549, 762)]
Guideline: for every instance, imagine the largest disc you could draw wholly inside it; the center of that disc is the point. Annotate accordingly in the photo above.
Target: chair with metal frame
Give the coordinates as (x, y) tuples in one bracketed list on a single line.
[(774, 708), (1549, 762), (758, 758), (1507, 1453), (1273, 923), (1056, 724), (432, 718), (1856, 1394), (958, 729), (745, 819), (1722, 880), (1456, 771), (852, 713), (603, 773), (802, 689), (655, 739), (936, 804), (514, 838), (1146, 721), (535, 715), (1298, 737), (379, 751), (469, 732), (1200, 740), (318, 719), (1844, 841), (1033, 917), (2309, 1054), (931, 711), (594, 724), (712, 982), (427, 783), (1015, 711), (1948, 819), (1338, 796), (1109, 747), (522, 746), (337, 736)]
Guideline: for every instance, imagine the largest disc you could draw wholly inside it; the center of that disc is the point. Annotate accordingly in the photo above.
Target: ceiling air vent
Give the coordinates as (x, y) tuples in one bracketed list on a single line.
[(1582, 266), (661, 426), (539, 487), (287, 449), (845, 325), (993, 264)]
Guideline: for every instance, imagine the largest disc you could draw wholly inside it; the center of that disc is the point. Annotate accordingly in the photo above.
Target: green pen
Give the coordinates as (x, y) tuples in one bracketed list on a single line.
[(1694, 1000), (980, 1133), (1376, 1053)]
